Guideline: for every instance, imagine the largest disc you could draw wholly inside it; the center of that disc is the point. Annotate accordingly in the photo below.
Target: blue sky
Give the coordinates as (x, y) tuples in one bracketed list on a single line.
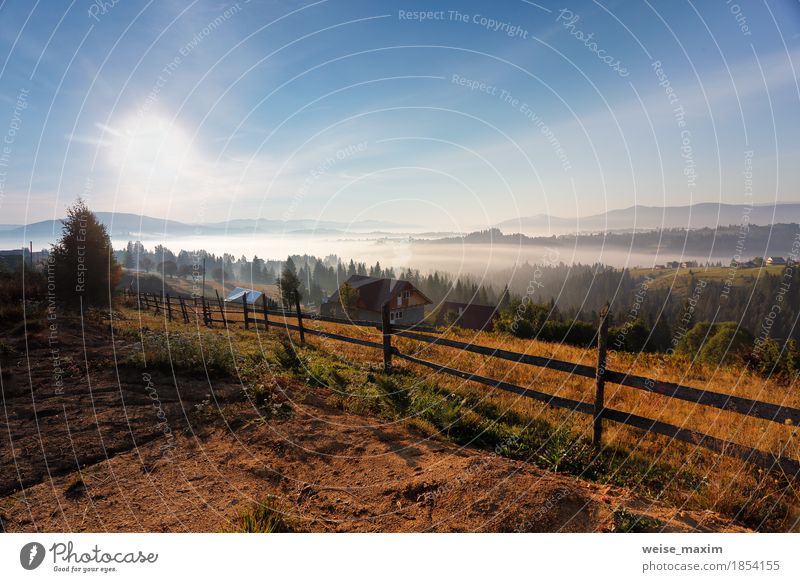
[(348, 110)]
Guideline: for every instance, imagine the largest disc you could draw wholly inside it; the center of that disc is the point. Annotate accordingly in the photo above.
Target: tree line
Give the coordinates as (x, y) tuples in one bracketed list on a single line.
[(753, 321)]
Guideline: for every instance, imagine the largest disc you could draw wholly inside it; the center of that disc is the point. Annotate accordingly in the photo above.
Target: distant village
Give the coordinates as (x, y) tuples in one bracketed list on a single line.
[(755, 262), (372, 289)]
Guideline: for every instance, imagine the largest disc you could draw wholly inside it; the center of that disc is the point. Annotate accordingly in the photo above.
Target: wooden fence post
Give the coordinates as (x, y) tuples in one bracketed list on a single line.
[(386, 328), (169, 307), (299, 317), (599, 395), (264, 305), (221, 309), (246, 316), (206, 311), (183, 309), (156, 305)]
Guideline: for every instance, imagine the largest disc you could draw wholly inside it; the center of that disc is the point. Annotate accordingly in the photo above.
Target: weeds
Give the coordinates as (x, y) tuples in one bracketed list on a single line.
[(262, 517), (188, 353), (395, 394), (628, 522), (287, 357)]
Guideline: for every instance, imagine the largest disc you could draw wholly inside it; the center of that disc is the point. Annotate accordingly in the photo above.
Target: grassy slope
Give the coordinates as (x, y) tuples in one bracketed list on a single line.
[(447, 408), (154, 282), (678, 279)]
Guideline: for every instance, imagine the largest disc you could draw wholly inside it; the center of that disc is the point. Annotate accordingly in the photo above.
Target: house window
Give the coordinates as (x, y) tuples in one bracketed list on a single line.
[(406, 294), (397, 315)]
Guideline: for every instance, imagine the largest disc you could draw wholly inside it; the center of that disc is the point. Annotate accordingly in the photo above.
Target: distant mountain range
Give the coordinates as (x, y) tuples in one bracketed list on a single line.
[(128, 226), (718, 243), (703, 215), (121, 225)]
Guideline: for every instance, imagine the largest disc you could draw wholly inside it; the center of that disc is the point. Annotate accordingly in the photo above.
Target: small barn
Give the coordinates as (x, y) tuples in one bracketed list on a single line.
[(236, 295), (467, 315)]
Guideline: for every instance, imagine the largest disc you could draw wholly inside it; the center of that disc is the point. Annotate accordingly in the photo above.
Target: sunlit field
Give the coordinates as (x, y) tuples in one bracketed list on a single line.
[(698, 479)]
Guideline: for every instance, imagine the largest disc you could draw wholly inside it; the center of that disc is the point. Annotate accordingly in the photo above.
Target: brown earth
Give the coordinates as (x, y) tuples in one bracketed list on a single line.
[(97, 457)]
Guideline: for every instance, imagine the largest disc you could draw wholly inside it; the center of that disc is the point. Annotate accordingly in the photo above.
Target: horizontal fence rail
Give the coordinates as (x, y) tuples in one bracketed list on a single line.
[(736, 404), (746, 406), (730, 449), (219, 310)]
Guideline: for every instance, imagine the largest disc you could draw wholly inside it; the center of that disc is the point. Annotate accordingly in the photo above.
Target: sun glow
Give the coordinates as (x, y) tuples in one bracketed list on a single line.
[(151, 150)]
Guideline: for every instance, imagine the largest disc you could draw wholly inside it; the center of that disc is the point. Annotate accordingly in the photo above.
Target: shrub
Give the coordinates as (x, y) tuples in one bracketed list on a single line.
[(693, 341), (573, 332), (771, 359), (528, 320), (450, 318), (522, 318), (716, 344), (727, 345), (631, 336), (523, 329), (12, 290)]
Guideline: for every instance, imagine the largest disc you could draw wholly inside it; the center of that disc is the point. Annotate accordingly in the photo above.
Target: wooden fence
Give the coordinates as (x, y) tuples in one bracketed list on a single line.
[(217, 311)]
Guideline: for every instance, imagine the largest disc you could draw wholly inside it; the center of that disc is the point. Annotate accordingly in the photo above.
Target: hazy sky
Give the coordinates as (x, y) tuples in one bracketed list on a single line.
[(201, 111)]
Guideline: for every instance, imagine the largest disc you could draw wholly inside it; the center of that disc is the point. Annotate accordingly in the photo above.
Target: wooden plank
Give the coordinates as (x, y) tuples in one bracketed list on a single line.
[(335, 336), (183, 309), (746, 406), (339, 320), (557, 401), (244, 309), (600, 380), (723, 447), (726, 448), (576, 369), (264, 304)]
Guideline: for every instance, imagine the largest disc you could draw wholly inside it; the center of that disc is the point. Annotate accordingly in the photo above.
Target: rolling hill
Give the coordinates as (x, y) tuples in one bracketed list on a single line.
[(702, 215)]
